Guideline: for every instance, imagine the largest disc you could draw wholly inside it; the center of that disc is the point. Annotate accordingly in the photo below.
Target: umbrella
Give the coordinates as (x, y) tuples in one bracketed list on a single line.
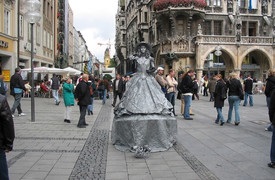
[(46, 70), (72, 71)]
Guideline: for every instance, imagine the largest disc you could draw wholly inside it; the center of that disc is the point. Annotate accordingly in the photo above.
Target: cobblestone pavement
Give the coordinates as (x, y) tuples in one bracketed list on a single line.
[(51, 149)]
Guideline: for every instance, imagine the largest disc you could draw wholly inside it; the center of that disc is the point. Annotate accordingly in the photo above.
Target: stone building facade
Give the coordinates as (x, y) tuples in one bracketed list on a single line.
[(209, 36)]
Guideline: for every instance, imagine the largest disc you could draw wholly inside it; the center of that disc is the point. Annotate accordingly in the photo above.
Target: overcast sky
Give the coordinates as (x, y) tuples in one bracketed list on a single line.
[(95, 19)]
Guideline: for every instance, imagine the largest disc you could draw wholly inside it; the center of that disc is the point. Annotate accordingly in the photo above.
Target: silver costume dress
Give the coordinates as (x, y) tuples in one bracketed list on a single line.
[(143, 117)]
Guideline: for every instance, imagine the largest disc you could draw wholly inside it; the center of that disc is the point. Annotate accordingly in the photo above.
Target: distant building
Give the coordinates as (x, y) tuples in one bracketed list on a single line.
[(215, 36)]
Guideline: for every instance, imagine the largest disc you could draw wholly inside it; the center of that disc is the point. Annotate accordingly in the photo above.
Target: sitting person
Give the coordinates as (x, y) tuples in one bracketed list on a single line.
[(28, 89), (44, 87)]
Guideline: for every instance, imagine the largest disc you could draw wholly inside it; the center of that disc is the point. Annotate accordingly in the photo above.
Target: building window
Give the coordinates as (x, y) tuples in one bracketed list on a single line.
[(248, 4), (38, 34), (217, 27), (21, 25), (44, 38), (51, 45), (180, 27), (7, 22), (208, 2), (207, 28), (48, 10), (252, 29), (217, 3), (44, 7), (123, 38), (145, 17), (48, 40)]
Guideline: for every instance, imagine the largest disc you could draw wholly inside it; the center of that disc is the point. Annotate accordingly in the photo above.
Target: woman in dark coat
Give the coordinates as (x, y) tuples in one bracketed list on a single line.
[(219, 97), (272, 120)]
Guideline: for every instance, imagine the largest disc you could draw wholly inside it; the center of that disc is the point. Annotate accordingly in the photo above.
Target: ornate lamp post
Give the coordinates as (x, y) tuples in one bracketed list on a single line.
[(209, 65), (218, 53), (32, 16)]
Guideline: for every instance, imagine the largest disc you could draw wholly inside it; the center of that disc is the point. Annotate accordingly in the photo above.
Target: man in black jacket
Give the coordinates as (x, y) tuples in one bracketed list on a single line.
[(55, 83), (187, 89), (83, 98), (16, 89), (118, 88), (248, 86), (6, 136)]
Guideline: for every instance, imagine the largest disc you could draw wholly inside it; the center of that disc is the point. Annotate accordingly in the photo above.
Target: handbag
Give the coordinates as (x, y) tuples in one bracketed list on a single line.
[(17, 90)]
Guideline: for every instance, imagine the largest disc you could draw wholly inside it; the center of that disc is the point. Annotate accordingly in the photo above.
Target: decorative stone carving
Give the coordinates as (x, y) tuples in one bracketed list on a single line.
[(199, 29), (264, 7)]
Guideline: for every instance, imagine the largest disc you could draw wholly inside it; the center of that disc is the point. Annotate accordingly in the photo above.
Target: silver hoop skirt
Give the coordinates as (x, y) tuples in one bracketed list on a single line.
[(143, 117)]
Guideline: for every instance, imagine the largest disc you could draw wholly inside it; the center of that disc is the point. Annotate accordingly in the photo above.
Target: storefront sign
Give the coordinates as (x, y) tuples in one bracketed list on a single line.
[(4, 44), (6, 74)]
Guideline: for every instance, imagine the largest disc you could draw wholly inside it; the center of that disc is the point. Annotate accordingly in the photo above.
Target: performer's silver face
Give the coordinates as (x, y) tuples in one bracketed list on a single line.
[(142, 49)]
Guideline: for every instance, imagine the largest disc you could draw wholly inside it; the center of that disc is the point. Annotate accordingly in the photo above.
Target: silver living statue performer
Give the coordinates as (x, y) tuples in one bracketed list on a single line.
[(143, 117)]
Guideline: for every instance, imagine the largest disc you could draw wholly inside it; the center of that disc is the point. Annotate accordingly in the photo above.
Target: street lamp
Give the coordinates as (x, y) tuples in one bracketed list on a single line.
[(209, 65), (218, 53), (32, 16)]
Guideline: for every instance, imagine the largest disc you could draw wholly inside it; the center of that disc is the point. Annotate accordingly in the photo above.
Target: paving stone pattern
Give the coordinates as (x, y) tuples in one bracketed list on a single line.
[(91, 163), (194, 163)]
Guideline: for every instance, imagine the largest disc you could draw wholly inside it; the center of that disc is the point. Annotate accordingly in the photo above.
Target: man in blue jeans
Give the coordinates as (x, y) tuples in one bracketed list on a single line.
[(16, 90), (187, 88), (55, 83), (6, 136), (248, 86)]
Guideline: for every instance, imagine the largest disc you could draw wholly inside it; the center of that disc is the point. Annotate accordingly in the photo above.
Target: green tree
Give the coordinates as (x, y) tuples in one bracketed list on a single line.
[(112, 63)]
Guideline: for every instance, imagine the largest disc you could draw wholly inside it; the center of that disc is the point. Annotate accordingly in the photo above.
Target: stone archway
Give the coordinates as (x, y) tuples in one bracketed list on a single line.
[(255, 62), (223, 64)]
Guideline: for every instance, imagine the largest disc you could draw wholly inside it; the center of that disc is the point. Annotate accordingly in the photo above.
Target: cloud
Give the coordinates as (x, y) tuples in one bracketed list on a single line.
[(96, 22)]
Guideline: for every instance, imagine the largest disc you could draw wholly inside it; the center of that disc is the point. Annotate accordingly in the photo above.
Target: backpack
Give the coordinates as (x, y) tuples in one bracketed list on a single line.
[(2, 88)]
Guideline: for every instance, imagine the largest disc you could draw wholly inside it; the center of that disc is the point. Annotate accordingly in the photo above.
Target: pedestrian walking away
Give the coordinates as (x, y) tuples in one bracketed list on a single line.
[(82, 96), (55, 83), (6, 136), (68, 97), (248, 86), (234, 92), (16, 90), (220, 94)]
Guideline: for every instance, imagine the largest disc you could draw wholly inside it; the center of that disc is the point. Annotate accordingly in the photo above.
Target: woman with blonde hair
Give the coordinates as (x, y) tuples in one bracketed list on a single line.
[(235, 90)]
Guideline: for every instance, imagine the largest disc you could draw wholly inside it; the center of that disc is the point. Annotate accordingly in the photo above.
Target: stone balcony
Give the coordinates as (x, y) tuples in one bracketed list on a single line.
[(184, 45)]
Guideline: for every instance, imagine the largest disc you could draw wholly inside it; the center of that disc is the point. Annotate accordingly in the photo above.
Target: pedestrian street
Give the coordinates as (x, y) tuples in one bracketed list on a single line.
[(51, 149)]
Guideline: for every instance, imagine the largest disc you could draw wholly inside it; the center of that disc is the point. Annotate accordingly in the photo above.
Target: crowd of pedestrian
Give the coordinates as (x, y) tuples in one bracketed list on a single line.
[(185, 88)]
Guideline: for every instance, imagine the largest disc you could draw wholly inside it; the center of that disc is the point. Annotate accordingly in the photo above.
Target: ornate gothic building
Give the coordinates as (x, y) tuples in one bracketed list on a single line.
[(209, 36)]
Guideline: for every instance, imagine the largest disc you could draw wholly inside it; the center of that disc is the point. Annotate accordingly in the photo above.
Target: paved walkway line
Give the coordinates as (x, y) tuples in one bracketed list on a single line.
[(202, 171), (92, 161)]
